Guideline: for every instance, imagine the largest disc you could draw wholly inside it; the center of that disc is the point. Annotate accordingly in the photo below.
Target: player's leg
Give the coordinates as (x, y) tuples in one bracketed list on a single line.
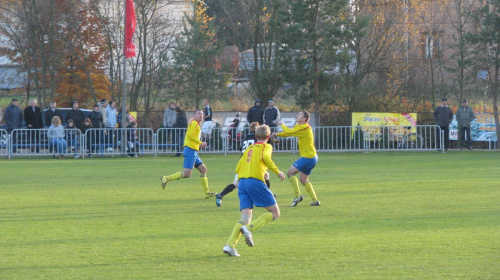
[(272, 214), (230, 247), (246, 205), (203, 178), (305, 165), (229, 188), (189, 161), (294, 182), (262, 197)]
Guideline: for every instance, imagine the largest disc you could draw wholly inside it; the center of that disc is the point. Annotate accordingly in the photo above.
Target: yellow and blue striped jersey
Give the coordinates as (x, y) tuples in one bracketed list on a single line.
[(192, 139), (306, 138), (255, 161)]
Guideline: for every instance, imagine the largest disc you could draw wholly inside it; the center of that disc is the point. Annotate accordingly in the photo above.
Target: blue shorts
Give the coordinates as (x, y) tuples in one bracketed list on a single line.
[(254, 192), (191, 158), (305, 165)]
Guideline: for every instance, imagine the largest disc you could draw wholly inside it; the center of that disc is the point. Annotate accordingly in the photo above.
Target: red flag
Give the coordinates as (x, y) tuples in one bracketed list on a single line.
[(130, 23)]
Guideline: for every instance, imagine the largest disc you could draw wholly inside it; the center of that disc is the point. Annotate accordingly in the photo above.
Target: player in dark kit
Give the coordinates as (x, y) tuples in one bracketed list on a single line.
[(249, 140)]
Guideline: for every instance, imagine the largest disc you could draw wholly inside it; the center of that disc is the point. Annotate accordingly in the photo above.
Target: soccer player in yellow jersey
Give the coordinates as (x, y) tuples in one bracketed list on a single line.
[(252, 190), (192, 144), (308, 157)]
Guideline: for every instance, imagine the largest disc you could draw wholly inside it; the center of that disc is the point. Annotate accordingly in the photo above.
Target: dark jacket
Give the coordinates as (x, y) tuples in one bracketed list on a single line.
[(443, 116), (181, 120), (465, 116), (255, 114), (13, 117), (49, 115), (96, 118), (77, 116), (271, 116), (33, 118)]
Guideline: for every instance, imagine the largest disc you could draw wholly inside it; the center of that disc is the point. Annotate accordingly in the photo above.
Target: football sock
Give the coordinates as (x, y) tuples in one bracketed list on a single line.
[(227, 189), (310, 190), (175, 176), (204, 183), (268, 184), (261, 221), (235, 236), (294, 182)]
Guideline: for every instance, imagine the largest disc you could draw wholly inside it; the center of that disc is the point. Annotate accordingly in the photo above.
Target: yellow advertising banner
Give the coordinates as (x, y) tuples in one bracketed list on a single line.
[(371, 122)]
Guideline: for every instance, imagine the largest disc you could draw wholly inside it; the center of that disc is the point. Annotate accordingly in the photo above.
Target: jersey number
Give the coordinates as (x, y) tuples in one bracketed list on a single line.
[(249, 156), (246, 144)]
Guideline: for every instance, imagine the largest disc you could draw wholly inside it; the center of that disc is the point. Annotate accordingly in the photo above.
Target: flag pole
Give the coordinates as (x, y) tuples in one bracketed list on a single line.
[(124, 85)]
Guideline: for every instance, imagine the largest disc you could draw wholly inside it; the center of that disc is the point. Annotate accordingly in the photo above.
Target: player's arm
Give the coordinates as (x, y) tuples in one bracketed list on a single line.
[(295, 131), (191, 133), (268, 150), (267, 157)]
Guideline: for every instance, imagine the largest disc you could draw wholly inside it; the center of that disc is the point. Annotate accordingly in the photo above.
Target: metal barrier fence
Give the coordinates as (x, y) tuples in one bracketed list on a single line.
[(143, 141), (378, 138), (107, 141), (4, 141), (36, 142)]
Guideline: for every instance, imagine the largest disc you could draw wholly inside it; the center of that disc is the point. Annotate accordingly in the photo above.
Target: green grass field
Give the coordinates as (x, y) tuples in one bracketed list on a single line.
[(383, 216)]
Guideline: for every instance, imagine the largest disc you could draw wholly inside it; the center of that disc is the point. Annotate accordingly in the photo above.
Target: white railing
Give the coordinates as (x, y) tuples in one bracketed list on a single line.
[(108, 141), (378, 138), (4, 141), (143, 141)]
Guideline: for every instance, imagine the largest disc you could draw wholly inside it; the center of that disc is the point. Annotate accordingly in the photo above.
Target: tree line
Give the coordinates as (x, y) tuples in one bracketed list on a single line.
[(330, 56)]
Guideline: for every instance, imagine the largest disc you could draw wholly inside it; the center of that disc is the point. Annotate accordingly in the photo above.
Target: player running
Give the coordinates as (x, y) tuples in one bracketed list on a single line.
[(252, 191), (308, 157), (249, 140), (192, 144)]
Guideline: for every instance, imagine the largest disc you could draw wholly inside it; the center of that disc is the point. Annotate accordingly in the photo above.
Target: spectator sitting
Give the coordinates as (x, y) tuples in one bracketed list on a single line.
[(72, 136), (87, 124), (132, 139), (56, 136)]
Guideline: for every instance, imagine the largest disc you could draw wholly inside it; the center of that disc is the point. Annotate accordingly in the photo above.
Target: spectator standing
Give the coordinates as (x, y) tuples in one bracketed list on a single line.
[(97, 120), (169, 118), (34, 122), (206, 129), (271, 115), (133, 144), (56, 136), (111, 119), (76, 115), (465, 116), (180, 125), (443, 117), (13, 119), (87, 124), (102, 108), (119, 117), (72, 136), (256, 113), (96, 117), (51, 113)]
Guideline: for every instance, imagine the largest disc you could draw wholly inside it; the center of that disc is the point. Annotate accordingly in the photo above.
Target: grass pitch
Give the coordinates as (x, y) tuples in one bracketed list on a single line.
[(382, 216)]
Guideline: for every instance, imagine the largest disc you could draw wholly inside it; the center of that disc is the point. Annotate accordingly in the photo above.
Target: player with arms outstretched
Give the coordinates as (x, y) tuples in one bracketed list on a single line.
[(252, 190), (192, 144), (249, 140), (308, 156)]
